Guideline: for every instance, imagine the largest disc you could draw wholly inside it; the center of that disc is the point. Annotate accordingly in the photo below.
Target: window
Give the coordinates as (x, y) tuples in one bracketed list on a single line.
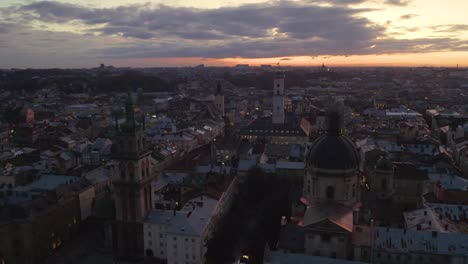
[(326, 237), (161, 235), (149, 253), (149, 233), (333, 255)]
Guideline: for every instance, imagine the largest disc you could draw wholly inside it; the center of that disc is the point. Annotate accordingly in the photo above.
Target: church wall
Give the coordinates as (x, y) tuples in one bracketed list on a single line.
[(342, 188)]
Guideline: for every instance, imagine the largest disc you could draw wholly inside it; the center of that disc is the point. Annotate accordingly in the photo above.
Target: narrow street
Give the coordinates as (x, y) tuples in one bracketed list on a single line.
[(252, 222)]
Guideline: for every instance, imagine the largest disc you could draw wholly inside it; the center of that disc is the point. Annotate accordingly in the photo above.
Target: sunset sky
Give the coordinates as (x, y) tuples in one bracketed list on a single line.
[(142, 33)]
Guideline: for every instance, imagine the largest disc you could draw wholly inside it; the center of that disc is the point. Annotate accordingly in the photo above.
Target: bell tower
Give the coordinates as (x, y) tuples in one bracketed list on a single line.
[(131, 179), (219, 98), (278, 99)]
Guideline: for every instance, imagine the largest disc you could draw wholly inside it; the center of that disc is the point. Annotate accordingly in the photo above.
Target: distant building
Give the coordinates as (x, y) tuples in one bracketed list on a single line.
[(39, 218), (394, 245), (279, 129), (219, 99)]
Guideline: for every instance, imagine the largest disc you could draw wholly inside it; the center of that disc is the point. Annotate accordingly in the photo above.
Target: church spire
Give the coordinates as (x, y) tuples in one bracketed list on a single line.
[(130, 111), (219, 90)]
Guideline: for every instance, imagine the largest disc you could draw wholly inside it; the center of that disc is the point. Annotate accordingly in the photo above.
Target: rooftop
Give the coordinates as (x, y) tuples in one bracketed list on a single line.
[(289, 258), (51, 182), (192, 220)]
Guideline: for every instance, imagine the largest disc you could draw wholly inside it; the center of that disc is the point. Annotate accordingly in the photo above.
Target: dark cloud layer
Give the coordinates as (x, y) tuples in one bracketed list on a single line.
[(271, 29), (253, 21)]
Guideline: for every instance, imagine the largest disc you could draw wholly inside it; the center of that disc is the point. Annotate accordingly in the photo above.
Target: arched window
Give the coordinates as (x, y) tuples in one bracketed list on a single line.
[(330, 193)]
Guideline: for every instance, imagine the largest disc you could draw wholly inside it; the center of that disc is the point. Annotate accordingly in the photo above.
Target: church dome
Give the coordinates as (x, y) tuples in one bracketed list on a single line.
[(333, 151)]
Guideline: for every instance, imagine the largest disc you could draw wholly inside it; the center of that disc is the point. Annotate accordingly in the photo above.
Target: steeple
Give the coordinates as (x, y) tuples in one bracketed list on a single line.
[(219, 98), (219, 90), (130, 112)]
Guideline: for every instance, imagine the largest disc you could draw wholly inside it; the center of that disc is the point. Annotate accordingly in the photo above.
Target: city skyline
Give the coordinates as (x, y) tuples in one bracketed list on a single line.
[(44, 34)]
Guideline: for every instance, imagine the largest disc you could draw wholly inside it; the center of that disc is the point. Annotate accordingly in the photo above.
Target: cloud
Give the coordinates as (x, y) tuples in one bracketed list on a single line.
[(271, 29), (398, 2), (451, 28), (408, 16), (253, 21)]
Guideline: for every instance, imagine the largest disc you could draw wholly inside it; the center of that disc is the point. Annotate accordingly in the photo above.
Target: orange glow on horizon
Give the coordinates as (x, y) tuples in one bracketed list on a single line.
[(435, 59)]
